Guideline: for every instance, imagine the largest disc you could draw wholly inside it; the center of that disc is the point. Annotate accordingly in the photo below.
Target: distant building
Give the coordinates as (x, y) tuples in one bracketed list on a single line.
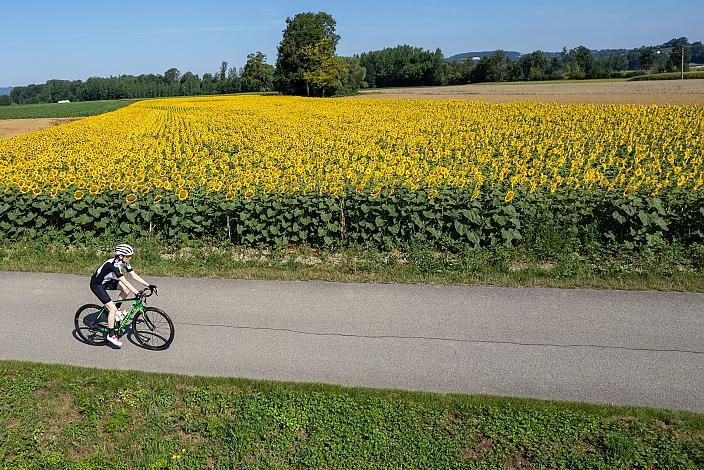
[(64, 101)]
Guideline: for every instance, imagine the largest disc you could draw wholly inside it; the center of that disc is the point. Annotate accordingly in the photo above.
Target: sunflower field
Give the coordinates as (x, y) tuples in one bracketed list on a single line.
[(268, 170)]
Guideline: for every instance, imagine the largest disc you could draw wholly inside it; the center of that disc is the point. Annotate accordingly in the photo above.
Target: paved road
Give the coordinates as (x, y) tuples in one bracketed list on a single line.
[(641, 348)]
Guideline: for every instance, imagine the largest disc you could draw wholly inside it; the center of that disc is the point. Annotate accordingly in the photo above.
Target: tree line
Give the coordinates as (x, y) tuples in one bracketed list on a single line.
[(307, 64), (409, 66), (255, 76)]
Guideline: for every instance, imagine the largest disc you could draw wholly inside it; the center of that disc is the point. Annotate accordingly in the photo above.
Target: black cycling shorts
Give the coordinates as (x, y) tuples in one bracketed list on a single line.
[(100, 290)]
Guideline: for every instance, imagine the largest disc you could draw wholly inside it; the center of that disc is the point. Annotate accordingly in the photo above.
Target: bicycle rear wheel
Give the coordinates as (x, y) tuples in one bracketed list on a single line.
[(153, 329), (91, 322)]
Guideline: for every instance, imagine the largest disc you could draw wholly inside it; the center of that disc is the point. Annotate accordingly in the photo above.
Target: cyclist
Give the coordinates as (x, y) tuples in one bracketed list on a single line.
[(109, 276)]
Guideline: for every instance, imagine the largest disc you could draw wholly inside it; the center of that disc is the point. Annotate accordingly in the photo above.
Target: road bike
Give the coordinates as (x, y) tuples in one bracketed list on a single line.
[(152, 327)]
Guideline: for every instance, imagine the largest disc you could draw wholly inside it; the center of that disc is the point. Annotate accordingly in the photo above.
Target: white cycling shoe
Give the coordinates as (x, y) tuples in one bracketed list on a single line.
[(114, 340)]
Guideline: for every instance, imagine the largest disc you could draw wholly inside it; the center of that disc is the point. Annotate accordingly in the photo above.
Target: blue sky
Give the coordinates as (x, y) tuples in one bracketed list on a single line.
[(78, 39)]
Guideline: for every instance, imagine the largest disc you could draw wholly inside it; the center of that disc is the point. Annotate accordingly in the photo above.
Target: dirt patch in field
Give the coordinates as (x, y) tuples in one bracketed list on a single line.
[(484, 447), (673, 92), (11, 127)]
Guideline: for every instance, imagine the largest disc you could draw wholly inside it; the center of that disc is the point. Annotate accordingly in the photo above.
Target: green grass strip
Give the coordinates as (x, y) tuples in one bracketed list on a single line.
[(56, 110), (55, 416), (699, 74), (671, 268), (539, 82)]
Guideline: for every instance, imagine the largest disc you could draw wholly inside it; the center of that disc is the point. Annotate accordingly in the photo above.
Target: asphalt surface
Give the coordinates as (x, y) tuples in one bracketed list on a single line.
[(636, 348)]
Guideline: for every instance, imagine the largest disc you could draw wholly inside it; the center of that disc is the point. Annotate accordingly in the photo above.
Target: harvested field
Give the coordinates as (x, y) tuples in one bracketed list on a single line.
[(11, 127), (674, 92)]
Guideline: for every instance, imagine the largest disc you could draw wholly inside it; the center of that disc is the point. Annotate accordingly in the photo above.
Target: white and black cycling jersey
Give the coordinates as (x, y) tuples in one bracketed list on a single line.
[(110, 270)]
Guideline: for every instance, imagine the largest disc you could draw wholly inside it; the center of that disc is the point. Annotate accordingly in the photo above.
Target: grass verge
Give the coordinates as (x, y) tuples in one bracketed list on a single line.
[(55, 416), (670, 268), (669, 76), (55, 110), (538, 82)]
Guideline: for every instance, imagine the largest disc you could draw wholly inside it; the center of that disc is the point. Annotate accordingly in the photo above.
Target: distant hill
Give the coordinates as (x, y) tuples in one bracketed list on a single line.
[(513, 55), (6, 90)]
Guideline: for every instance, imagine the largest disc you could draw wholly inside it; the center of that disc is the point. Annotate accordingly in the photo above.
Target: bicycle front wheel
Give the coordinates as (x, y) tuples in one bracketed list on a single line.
[(153, 329), (91, 322)]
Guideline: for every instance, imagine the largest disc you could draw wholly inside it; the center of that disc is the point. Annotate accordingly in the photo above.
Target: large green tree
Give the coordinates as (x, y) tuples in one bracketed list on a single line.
[(680, 54), (534, 66), (580, 63), (190, 84), (302, 31), (322, 70), (256, 74), (355, 78), (646, 58), (496, 67), (459, 71), (697, 52), (172, 75), (404, 65)]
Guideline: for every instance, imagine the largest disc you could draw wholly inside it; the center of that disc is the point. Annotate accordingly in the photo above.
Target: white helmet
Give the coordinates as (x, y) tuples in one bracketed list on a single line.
[(124, 250)]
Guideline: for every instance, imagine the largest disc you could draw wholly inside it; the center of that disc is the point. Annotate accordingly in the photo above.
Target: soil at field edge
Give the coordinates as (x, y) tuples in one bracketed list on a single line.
[(12, 127)]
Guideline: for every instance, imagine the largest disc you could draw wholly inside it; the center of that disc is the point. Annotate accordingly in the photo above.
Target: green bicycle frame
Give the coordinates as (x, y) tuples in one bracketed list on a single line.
[(138, 306)]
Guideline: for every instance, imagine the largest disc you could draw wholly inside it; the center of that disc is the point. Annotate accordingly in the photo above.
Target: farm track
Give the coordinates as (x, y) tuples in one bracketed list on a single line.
[(635, 348)]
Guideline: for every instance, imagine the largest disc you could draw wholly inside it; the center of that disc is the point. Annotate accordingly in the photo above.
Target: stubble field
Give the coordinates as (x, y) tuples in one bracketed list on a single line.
[(670, 92)]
